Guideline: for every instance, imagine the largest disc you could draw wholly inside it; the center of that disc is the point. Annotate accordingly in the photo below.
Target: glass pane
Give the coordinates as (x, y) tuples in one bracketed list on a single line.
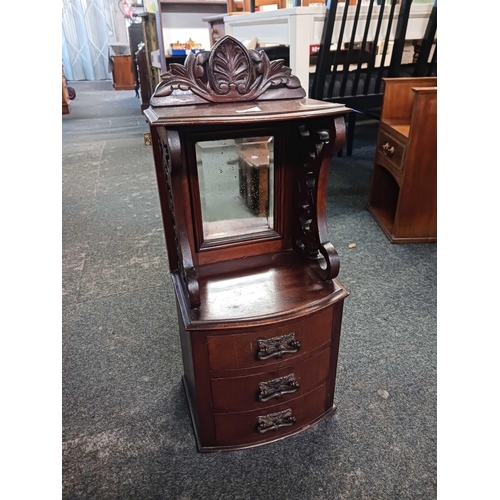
[(236, 178)]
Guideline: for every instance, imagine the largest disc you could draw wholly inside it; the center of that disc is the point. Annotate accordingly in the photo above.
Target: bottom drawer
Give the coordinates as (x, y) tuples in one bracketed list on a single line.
[(255, 426)]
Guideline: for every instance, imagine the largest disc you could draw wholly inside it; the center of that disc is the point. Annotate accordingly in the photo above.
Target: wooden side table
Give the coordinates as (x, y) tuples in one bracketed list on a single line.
[(403, 195)]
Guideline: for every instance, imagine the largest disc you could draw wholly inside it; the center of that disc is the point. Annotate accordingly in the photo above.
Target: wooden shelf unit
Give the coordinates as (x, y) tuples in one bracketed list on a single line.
[(403, 195)]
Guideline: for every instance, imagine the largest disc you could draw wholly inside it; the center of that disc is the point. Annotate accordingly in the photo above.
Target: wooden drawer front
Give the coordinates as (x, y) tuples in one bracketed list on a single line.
[(270, 388), (390, 151), (275, 421), (270, 346)]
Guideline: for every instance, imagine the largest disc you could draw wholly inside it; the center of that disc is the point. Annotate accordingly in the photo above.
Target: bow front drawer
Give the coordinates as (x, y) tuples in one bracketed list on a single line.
[(279, 344), (272, 422), (272, 387)]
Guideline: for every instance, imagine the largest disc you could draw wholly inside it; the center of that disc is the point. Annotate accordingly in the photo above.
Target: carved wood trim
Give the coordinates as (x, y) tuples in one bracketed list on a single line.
[(228, 73), (172, 162), (316, 144)]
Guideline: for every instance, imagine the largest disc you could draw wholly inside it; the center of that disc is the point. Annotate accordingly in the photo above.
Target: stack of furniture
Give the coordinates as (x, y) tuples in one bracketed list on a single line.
[(403, 195)]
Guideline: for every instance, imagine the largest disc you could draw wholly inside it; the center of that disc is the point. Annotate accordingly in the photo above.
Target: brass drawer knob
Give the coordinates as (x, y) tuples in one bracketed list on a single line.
[(387, 149), (277, 346), (274, 421), (277, 387)]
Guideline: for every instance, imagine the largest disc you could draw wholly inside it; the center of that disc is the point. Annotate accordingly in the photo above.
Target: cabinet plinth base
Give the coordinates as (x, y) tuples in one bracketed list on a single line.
[(382, 219)]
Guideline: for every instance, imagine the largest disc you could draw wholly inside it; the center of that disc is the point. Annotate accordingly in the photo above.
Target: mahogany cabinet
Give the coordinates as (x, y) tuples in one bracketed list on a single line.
[(242, 161), (123, 73), (403, 195)]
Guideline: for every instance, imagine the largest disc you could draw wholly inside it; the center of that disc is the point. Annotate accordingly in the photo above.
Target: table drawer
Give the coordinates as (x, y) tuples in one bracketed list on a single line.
[(258, 425), (275, 345), (270, 388), (390, 150)]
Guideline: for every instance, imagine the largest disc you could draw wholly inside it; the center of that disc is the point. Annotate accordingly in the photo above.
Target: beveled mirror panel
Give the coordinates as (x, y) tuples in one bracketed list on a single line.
[(236, 182)]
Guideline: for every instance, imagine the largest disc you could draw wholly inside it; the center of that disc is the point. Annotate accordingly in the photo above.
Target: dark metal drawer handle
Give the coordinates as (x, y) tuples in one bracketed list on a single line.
[(387, 149), (274, 421), (277, 346), (277, 387)]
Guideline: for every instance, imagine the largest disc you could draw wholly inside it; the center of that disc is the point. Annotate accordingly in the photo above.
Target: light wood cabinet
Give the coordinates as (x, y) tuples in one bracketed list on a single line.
[(403, 195), (123, 73)]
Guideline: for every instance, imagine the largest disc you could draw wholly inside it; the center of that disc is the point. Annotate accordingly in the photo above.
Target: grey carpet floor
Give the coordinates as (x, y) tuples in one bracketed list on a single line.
[(126, 427)]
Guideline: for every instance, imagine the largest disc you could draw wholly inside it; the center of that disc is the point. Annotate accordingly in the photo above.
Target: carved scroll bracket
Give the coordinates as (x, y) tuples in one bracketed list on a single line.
[(172, 162), (318, 144), (228, 73)]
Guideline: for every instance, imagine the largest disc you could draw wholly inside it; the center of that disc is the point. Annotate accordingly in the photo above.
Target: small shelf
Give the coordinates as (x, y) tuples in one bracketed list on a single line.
[(260, 287)]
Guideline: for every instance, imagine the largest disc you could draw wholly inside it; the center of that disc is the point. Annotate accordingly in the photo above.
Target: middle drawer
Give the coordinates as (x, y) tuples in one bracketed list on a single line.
[(272, 387)]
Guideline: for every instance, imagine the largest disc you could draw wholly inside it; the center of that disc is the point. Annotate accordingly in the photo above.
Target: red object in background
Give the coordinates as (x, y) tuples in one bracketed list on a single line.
[(313, 49), (126, 9)]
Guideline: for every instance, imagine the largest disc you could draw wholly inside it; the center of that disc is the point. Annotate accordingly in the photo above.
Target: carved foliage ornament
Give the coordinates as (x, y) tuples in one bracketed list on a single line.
[(228, 73)]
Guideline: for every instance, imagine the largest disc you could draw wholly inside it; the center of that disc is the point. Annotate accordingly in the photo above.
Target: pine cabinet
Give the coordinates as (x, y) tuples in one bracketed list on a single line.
[(403, 195)]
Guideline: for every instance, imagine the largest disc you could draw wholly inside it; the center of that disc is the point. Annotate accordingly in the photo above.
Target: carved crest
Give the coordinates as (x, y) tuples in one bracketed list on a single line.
[(228, 73)]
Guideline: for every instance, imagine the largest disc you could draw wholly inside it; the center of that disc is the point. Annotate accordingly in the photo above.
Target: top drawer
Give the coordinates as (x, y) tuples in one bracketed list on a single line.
[(390, 150), (270, 346)]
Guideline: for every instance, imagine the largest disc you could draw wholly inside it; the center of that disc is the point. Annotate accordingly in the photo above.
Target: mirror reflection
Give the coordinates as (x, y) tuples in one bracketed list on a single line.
[(236, 179)]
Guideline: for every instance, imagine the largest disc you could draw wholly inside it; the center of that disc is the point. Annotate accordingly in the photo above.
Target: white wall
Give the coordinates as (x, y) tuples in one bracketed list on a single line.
[(183, 22)]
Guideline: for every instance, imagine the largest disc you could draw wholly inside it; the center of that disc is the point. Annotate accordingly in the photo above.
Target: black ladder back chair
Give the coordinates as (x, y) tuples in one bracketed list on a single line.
[(351, 71), (424, 66)]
